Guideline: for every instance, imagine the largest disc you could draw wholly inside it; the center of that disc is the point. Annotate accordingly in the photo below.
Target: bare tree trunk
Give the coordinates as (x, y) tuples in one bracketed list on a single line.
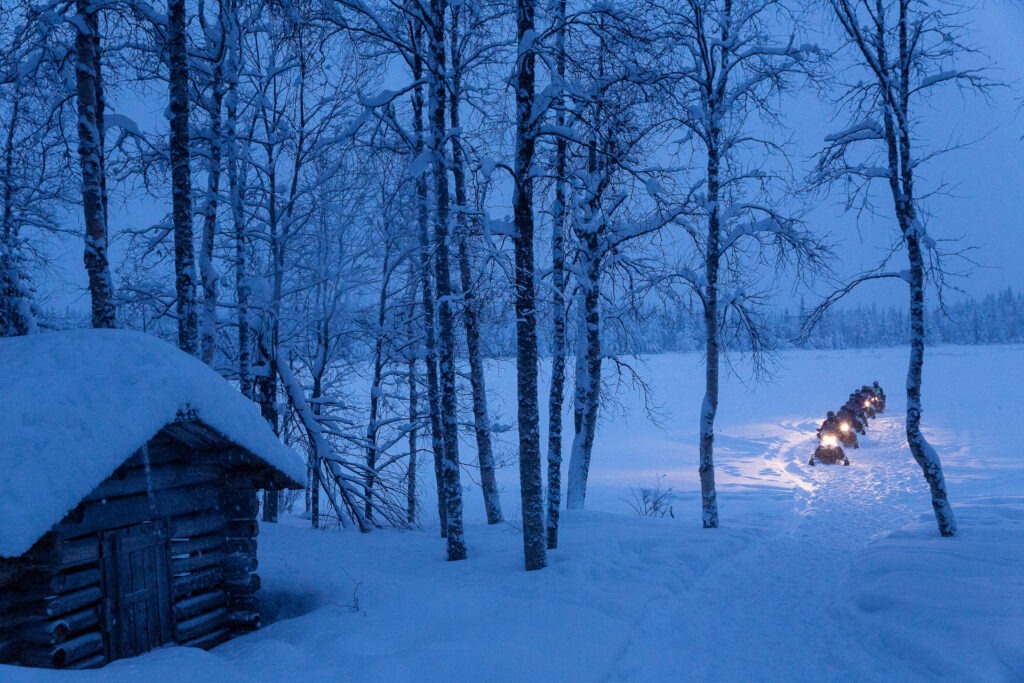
[(181, 180), (323, 339), (481, 420), (442, 274), (556, 393), (268, 335), (15, 306), (427, 290), (90, 156), (588, 376), (924, 454), (231, 59), (531, 487), (709, 407), (588, 355), (208, 273), (375, 388), (266, 396), (414, 417)]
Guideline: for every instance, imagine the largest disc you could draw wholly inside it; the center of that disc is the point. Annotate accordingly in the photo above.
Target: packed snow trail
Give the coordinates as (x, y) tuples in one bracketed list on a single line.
[(783, 599)]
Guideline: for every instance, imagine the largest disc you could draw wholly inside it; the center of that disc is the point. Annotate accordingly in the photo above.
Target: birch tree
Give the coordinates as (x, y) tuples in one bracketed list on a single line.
[(612, 203), (181, 178), (89, 90), (211, 100), (731, 70), (461, 50), (526, 116), (559, 339), (33, 184), (904, 51)]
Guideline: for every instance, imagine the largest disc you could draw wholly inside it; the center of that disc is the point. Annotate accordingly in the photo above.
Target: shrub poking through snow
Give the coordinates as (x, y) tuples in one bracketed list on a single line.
[(648, 502)]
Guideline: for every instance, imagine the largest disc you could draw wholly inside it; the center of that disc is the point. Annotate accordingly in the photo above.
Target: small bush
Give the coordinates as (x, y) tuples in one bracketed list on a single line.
[(648, 502)]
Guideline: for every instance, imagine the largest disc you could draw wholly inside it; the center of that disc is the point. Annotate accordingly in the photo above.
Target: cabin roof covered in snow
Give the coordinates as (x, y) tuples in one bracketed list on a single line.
[(77, 404)]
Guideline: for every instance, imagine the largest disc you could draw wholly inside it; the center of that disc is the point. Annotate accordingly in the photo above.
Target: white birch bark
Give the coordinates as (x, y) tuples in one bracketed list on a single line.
[(481, 419), (90, 156), (442, 273), (16, 316), (181, 180), (530, 483), (556, 391)]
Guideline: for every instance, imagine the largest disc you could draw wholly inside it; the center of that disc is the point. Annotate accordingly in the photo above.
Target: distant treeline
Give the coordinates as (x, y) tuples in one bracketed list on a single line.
[(994, 319)]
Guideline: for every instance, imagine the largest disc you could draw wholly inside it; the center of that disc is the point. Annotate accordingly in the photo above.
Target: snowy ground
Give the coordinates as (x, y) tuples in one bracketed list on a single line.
[(825, 573)]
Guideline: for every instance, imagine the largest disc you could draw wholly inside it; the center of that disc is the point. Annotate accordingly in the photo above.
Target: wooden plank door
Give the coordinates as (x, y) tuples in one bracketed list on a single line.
[(136, 572)]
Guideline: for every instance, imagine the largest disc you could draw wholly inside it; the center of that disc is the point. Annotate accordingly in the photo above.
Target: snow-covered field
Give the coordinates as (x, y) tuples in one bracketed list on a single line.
[(825, 573)]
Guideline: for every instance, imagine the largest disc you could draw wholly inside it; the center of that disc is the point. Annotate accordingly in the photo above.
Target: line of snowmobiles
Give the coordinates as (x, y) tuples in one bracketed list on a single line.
[(841, 427)]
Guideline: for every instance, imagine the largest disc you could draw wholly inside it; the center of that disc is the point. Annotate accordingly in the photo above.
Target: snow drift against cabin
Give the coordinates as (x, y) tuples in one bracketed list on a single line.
[(77, 404)]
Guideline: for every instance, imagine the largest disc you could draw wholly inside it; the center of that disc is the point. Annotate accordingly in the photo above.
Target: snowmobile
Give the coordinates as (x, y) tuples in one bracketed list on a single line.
[(879, 397), (847, 436), (829, 451), (868, 406), (867, 397), (856, 418)]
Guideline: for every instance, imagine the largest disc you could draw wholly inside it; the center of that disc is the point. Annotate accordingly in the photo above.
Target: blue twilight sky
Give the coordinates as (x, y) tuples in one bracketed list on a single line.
[(985, 180)]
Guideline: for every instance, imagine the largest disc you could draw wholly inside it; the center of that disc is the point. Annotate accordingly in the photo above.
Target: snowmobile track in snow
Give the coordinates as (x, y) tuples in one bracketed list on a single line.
[(754, 600)]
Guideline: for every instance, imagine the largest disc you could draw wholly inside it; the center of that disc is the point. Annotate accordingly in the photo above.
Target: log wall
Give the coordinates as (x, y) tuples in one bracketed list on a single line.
[(54, 609)]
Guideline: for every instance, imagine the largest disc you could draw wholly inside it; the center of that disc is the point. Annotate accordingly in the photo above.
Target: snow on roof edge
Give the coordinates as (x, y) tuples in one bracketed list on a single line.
[(77, 404)]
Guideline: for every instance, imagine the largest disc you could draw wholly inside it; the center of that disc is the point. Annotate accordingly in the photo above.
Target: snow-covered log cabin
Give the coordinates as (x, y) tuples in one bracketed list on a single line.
[(129, 474)]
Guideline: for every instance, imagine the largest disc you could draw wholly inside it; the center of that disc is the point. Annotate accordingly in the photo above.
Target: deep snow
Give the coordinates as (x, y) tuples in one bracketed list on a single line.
[(825, 573)]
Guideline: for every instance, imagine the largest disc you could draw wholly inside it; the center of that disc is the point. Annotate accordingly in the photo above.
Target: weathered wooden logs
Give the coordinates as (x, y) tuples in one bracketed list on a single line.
[(197, 524), (197, 582), (242, 528), (245, 585), (55, 552), (58, 630), (196, 544), (59, 656), (118, 512), (209, 640), (191, 563), (50, 583), (200, 625), (195, 605), (135, 481)]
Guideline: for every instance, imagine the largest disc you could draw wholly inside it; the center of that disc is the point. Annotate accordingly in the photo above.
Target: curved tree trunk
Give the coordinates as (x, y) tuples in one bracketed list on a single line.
[(924, 454)]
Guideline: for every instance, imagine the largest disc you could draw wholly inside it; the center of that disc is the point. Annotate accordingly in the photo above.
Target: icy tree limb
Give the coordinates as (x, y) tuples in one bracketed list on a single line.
[(321, 448)]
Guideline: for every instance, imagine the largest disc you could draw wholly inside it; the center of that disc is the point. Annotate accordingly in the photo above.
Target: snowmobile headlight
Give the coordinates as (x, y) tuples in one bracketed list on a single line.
[(867, 404), (829, 441), (844, 427)]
